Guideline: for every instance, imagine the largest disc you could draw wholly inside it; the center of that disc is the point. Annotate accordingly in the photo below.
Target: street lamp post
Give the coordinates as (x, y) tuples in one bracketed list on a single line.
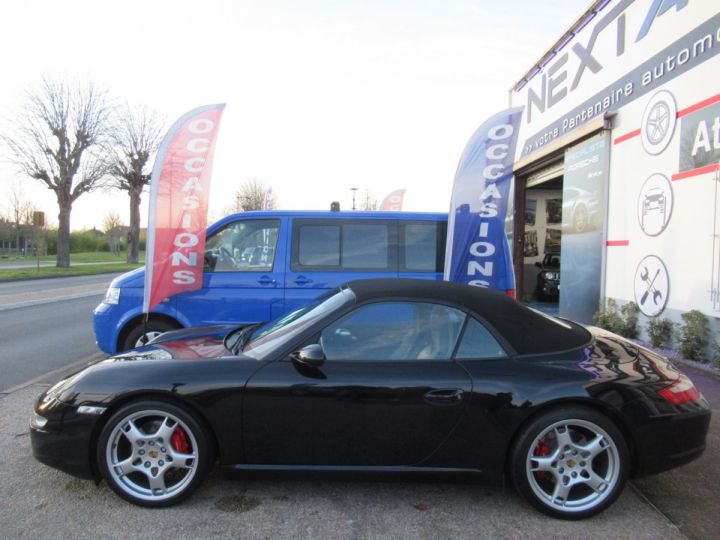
[(353, 189)]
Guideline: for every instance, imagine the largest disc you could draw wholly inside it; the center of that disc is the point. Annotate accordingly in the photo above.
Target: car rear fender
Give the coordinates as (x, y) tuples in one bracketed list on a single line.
[(599, 406)]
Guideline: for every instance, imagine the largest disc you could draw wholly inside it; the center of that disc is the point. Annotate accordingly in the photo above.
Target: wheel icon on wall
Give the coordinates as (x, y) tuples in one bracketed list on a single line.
[(658, 122), (655, 203), (652, 286)]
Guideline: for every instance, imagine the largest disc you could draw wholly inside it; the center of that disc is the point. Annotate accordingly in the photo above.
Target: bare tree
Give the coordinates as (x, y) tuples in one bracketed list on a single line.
[(20, 209), (138, 133), (114, 229), (60, 138), (253, 194), (368, 201)]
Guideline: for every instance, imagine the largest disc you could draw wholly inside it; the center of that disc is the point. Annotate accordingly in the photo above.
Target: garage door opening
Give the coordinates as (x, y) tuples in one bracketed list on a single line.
[(560, 236), (542, 237)]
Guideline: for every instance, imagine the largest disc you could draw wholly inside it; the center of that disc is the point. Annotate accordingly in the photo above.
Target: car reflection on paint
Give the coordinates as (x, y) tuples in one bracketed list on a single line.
[(386, 376)]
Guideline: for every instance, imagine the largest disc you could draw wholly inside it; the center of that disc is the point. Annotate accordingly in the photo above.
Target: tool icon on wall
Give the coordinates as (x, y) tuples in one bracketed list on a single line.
[(652, 286)]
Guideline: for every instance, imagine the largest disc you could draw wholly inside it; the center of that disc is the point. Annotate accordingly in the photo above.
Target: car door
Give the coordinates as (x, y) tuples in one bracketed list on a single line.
[(387, 393), (243, 278)]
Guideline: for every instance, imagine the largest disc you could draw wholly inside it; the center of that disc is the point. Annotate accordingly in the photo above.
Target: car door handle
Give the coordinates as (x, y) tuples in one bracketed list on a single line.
[(265, 280), (302, 280), (444, 396)]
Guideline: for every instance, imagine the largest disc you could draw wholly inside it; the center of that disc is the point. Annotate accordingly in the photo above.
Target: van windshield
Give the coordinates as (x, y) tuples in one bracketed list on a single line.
[(275, 333)]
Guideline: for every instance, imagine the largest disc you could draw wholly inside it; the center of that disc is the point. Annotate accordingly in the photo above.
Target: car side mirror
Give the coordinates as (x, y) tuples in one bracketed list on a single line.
[(538, 265), (311, 356)]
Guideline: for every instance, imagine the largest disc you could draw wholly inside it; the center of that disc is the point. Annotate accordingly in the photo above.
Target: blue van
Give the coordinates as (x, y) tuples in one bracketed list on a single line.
[(260, 265)]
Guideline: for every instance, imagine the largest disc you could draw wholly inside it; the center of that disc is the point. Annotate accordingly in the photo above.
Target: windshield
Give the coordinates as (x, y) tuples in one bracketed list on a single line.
[(273, 334)]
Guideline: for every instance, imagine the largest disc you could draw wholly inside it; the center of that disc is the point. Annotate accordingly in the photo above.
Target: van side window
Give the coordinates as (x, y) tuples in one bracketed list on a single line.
[(341, 245), (243, 246), (422, 246), (319, 245)]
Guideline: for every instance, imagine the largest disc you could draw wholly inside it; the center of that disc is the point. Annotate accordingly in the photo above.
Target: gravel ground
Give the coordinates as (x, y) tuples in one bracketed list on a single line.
[(39, 502)]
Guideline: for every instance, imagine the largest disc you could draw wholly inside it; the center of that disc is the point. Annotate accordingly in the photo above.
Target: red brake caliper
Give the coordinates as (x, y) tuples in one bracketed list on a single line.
[(179, 441), (542, 449)]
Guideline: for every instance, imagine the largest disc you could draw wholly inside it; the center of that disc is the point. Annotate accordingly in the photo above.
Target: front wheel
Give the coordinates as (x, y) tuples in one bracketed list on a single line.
[(570, 463), (153, 453), (141, 334)]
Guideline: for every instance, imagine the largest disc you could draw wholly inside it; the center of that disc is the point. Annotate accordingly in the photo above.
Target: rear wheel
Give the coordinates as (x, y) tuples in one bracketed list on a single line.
[(570, 463), (141, 333), (153, 453)]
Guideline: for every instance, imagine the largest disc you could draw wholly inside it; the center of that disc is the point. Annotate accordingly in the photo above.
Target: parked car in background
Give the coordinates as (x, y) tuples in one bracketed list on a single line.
[(260, 265), (390, 376), (548, 279)]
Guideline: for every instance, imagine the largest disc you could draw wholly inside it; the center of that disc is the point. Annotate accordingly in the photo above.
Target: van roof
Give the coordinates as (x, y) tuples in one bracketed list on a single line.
[(346, 214)]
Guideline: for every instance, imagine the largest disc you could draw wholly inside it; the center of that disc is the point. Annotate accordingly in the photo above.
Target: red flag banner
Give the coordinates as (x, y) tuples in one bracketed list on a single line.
[(393, 201), (179, 193)]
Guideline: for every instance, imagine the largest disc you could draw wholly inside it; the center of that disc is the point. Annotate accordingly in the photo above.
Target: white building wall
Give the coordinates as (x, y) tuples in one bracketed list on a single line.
[(685, 246)]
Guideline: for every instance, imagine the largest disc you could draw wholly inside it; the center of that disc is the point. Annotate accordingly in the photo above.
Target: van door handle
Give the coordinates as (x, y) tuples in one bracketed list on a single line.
[(302, 280), (265, 280), (444, 396)]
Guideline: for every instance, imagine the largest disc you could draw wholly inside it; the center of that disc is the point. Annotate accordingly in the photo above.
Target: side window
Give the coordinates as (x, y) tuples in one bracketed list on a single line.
[(394, 331), (422, 245), (243, 246), (342, 245), (478, 342), (365, 246), (319, 245)]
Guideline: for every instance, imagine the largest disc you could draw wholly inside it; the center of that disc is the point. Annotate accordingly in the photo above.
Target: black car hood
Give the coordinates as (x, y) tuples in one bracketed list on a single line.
[(199, 343)]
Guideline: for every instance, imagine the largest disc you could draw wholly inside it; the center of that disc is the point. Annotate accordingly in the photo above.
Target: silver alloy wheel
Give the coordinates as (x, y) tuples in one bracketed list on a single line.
[(145, 338), (142, 459), (573, 466)]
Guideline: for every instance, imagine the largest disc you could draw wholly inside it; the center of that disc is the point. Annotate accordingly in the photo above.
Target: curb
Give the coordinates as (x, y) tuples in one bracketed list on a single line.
[(698, 366)]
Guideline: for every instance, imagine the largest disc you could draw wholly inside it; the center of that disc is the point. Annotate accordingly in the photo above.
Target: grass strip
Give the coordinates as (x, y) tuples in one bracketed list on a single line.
[(52, 271)]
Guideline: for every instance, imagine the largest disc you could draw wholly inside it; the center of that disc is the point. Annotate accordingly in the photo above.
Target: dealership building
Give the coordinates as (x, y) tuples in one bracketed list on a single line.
[(616, 165)]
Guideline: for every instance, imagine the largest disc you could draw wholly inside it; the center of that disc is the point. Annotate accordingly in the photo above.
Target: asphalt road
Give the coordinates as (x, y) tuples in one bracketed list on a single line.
[(45, 324)]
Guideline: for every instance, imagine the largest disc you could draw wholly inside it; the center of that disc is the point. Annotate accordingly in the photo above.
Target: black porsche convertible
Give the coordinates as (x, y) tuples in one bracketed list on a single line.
[(381, 376)]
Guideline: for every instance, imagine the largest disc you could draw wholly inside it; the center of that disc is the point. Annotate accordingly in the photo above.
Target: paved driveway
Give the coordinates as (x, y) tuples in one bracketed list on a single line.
[(39, 502)]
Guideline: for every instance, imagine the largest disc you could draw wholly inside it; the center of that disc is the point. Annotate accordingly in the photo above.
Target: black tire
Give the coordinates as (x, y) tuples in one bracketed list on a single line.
[(555, 467), (141, 334), (139, 453)]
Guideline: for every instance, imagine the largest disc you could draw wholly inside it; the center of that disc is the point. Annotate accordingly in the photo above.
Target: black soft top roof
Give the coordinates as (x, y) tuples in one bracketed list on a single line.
[(527, 331)]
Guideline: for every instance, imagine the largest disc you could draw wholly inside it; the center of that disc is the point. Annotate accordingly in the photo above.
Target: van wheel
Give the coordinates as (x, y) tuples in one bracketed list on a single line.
[(141, 334)]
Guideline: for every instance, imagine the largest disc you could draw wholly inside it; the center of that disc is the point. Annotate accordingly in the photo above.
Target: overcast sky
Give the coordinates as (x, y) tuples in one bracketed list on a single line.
[(322, 96)]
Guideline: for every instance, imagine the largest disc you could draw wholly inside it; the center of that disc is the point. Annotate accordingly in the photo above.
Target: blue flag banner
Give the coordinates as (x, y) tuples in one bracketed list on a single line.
[(477, 250)]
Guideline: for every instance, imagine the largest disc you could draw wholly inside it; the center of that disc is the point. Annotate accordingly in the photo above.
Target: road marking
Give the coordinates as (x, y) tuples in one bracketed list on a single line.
[(50, 300), (80, 363)]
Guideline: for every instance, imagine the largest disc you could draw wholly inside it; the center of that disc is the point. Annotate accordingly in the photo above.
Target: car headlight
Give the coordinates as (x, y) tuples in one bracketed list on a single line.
[(112, 296), (38, 421)]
